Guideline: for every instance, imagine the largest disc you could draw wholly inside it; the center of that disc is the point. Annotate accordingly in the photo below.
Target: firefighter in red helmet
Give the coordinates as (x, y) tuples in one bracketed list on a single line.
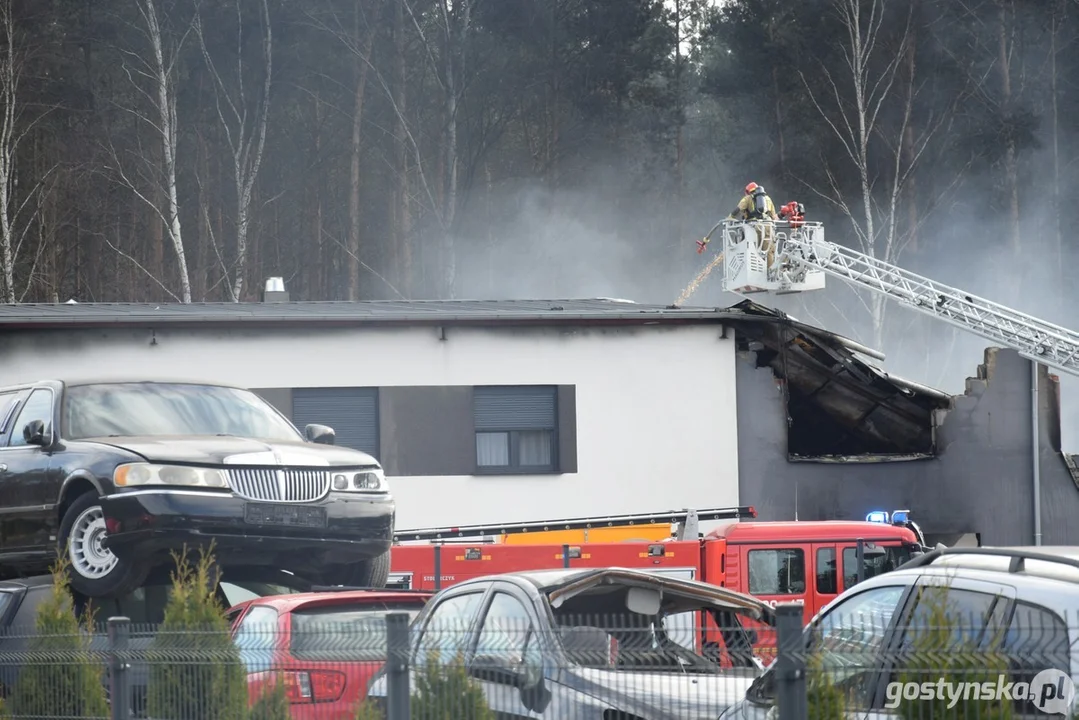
[(794, 213)]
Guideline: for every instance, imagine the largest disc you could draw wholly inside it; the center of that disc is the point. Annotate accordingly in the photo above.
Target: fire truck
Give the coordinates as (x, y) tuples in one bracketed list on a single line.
[(803, 562)]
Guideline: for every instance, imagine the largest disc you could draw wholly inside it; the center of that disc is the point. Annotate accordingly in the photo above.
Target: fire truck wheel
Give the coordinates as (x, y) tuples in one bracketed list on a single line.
[(373, 573)]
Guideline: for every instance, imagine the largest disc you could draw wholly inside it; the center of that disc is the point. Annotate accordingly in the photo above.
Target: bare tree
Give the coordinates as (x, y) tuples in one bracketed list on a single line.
[(874, 60), (148, 180), (244, 132), (15, 127)]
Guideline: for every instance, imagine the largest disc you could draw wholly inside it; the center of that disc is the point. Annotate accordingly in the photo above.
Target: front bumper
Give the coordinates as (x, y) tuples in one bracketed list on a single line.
[(151, 522)]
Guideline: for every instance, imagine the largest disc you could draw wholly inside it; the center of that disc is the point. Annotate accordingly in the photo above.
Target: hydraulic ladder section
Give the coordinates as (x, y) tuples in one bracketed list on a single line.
[(801, 253), (687, 520)]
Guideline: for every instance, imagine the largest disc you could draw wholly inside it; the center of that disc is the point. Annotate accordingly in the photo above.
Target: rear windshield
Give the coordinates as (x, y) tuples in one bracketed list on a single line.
[(344, 633)]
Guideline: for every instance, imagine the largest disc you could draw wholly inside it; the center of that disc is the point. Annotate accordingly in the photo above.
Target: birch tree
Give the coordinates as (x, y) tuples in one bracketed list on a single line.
[(853, 113), (244, 127), (154, 79), (16, 125)]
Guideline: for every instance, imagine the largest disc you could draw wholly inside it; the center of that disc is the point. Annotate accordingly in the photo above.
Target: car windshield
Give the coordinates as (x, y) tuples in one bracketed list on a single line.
[(170, 409), (344, 633)]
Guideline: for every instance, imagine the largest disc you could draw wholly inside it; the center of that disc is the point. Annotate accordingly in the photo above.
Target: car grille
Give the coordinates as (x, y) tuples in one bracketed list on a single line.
[(276, 485)]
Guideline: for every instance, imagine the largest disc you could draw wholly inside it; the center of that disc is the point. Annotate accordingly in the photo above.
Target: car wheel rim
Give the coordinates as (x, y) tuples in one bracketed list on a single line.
[(89, 556)]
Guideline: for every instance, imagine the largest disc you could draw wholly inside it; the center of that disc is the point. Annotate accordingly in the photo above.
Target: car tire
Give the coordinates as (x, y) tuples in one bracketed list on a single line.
[(93, 570), (372, 573)]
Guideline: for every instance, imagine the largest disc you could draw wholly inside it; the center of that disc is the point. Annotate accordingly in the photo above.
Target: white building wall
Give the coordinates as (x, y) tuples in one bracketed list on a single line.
[(656, 421)]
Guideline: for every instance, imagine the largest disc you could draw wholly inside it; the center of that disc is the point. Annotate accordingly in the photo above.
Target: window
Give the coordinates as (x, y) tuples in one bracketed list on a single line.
[(352, 412), (516, 428), (878, 560), (37, 407), (256, 637), (849, 638), (973, 617), (343, 633), (446, 630), (1036, 640), (5, 602), (505, 628), (155, 409), (8, 402), (777, 572), (826, 571)]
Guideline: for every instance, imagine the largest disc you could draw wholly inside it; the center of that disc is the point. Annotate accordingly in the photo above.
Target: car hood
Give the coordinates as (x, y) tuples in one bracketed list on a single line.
[(667, 695), (216, 450)]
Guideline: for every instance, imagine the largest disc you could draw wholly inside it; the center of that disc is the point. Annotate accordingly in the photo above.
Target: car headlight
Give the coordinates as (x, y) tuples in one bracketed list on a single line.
[(141, 474), (370, 480)]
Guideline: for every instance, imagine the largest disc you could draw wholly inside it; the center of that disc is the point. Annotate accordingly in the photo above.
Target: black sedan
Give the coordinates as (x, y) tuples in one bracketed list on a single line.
[(119, 475)]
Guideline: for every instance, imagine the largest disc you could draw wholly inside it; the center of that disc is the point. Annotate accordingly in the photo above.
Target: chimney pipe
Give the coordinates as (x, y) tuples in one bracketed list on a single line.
[(275, 290)]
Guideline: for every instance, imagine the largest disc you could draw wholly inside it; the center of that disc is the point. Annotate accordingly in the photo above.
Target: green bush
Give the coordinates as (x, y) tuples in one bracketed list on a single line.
[(195, 668), (62, 679), (366, 711), (446, 692), (272, 704)]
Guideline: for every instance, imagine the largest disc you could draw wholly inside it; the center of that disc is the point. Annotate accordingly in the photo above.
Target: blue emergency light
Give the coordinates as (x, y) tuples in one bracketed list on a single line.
[(901, 516), (877, 516)]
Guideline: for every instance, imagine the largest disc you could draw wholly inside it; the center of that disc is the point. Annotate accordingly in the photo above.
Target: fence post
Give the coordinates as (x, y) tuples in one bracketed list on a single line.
[(398, 693), (119, 630), (791, 696)]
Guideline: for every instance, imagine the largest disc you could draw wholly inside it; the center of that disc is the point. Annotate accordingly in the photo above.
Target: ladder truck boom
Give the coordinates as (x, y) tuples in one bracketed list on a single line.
[(683, 517), (802, 258)]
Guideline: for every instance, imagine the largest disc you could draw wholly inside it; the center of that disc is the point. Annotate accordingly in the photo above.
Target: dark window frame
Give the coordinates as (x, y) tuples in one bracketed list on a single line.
[(16, 417), (514, 437)]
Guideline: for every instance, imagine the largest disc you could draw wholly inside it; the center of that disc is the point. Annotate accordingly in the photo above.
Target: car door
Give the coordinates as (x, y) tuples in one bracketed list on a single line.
[(446, 631), (28, 524), (507, 639)]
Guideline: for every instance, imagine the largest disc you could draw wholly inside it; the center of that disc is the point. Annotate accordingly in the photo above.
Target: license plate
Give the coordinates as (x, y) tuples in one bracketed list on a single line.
[(291, 515)]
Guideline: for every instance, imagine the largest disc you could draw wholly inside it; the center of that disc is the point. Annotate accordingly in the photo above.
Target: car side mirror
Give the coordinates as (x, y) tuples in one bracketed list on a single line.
[(34, 433), (321, 434), (497, 669)]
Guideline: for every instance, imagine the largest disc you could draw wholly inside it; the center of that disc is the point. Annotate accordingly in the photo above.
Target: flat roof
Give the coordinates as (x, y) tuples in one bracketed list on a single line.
[(433, 312)]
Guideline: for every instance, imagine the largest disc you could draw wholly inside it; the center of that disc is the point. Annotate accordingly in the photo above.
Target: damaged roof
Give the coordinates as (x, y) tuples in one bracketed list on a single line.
[(869, 413)]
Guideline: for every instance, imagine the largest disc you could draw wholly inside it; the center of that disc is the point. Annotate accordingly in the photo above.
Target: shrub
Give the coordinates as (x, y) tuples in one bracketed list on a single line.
[(62, 679), (446, 692), (195, 668), (271, 705)]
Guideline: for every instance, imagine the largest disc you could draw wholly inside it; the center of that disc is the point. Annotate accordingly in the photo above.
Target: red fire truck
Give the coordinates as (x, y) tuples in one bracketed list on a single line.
[(803, 562)]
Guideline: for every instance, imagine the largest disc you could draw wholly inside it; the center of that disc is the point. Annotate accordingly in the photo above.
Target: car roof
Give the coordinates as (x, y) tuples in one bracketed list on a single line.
[(293, 601), (34, 581), (116, 380)]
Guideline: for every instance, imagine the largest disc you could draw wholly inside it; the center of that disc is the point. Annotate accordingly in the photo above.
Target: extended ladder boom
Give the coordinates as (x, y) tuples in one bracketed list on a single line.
[(1033, 338), (802, 258), (673, 516)]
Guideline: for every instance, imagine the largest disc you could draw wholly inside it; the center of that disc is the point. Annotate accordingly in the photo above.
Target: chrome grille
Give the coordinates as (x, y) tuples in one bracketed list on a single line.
[(276, 485)]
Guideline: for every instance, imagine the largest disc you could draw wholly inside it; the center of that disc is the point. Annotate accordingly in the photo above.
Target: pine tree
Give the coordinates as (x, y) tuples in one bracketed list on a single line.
[(196, 671), (60, 677)]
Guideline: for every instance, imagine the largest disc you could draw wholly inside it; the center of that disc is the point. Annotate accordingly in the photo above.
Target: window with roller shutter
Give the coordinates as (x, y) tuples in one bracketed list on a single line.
[(351, 412), (516, 428)]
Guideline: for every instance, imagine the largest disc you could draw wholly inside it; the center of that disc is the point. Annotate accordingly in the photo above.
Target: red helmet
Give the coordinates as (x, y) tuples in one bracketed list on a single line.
[(751, 187)]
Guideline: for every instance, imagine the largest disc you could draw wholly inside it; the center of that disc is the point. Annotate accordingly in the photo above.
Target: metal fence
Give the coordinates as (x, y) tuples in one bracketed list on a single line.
[(1007, 661)]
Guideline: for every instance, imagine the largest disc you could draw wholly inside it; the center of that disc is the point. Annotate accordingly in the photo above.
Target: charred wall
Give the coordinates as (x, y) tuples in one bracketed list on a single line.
[(979, 481)]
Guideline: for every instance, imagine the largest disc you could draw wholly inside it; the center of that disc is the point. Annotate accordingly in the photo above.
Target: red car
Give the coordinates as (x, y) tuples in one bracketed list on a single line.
[(325, 645)]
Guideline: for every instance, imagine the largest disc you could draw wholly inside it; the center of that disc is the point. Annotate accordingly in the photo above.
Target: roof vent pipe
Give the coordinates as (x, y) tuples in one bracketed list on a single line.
[(275, 290)]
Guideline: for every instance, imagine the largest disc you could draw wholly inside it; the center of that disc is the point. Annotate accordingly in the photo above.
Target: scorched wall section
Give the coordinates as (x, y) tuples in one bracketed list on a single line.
[(653, 408)]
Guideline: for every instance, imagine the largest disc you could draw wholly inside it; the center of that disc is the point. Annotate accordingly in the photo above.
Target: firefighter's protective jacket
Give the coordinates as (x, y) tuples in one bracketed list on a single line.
[(747, 209)]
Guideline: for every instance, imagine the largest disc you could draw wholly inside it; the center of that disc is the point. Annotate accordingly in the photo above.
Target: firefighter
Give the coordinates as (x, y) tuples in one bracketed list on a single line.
[(754, 206)]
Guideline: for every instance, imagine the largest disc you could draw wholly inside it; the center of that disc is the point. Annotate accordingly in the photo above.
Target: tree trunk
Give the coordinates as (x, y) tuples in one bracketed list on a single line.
[(1011, 160), (354, 199), (1058, 232), (402, 251)]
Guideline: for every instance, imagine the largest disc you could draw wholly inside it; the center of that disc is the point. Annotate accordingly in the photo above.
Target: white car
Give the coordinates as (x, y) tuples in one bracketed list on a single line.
[(1022, 602)]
